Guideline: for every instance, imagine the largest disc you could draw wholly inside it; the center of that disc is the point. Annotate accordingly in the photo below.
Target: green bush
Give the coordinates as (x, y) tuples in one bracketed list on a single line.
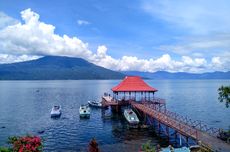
[(5, 149), (148, 147)]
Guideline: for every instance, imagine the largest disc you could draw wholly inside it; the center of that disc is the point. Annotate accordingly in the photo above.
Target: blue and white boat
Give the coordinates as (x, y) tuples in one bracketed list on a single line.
[(131, 117), (94, 103), (170, 149), (84, 111), (56, 111)]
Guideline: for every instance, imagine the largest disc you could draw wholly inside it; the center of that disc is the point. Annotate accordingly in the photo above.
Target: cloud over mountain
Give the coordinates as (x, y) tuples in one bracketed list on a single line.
[(33, 38)]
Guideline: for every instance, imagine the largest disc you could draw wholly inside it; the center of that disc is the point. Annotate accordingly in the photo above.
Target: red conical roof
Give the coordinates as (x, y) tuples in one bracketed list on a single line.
[(133, 83)]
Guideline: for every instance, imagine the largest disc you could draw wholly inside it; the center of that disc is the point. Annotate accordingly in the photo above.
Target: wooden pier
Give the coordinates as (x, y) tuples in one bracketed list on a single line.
[(109, 101), (133, 91), (207, 138)]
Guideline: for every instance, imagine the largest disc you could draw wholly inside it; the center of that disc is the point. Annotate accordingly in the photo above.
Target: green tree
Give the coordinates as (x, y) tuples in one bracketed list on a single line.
[(224, 95), (147, 147)]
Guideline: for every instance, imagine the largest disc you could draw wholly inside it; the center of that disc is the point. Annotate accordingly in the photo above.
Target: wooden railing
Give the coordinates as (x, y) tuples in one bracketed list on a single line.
[(180, 127), (133, 98), (186, 120), (154, 100)]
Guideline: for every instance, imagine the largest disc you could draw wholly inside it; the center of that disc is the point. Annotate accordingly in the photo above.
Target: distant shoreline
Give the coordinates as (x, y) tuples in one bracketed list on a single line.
[(97, 79)]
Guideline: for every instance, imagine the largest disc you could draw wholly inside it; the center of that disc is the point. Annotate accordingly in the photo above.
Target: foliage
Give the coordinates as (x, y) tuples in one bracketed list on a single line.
[(5, 149), (224, 95), (147, 147), (26, 144)]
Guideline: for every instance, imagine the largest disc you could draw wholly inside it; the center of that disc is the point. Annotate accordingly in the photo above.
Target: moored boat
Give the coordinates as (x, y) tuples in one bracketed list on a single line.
[(94, 103), (170, 149), (131, 117), (84, 111), (56, 111), (195, 148)]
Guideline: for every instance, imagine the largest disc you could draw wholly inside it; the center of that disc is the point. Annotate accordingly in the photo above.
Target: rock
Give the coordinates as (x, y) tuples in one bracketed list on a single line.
[(41, 131)]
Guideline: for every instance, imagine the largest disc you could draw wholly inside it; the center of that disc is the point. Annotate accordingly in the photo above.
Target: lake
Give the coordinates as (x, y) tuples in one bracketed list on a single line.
[(24, 109)]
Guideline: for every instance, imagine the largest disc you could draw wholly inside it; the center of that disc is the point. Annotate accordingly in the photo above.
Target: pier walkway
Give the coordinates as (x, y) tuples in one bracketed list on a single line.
[(185, 126)]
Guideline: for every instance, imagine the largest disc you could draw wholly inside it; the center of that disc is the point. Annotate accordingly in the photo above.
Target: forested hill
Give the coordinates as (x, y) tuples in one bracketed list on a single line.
[(56, 68)]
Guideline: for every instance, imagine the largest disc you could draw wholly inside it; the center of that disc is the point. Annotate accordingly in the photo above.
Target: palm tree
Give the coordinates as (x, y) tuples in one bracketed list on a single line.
[(224, 95)]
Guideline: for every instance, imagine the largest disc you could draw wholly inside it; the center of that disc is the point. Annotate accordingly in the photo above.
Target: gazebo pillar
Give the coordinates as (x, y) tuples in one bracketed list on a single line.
[(149, 95), (135, 96)]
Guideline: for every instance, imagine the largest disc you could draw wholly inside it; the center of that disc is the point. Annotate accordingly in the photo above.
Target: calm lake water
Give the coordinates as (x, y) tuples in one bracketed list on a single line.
[(24, 110)]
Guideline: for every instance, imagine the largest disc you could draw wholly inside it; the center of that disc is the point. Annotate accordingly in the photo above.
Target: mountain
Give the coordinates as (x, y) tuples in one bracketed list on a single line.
[(56, 68), (180, 75)]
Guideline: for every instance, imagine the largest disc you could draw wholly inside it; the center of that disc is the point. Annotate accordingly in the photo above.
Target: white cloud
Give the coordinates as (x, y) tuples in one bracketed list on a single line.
[(197, 16), (165, 62), (82, 22), (6, 20), (216, 60), (33, 38), (221, 62), (36, 37), (6, 58), (198, 45), (101, 51)]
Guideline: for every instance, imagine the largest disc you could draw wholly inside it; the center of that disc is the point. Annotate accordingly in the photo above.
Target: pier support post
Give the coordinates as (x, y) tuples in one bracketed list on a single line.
[(168, 135), (176, 138), (180, 140), (187, 141), (159, 128)]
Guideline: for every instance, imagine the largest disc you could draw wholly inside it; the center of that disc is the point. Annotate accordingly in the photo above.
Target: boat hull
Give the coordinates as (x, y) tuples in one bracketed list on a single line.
[(55, 115), (85, 115), (95, 104), (84, 112), (133, 122), (131, 117), (56, 111)]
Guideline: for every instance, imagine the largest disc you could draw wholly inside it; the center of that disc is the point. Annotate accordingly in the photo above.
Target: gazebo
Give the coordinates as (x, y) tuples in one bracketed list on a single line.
[(133, 88)]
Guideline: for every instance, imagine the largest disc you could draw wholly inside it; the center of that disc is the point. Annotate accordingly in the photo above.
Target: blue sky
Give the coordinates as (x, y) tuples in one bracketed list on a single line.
[(147, 35)]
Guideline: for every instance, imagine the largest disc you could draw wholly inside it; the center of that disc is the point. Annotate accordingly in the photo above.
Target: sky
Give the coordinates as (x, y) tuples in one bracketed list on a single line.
[(138, 35)]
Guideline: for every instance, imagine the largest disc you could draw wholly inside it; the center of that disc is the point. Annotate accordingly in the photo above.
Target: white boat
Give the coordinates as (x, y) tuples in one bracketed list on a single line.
[(170, 149), (94, 103), (131, 116), (84, 111), (56, 111)]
